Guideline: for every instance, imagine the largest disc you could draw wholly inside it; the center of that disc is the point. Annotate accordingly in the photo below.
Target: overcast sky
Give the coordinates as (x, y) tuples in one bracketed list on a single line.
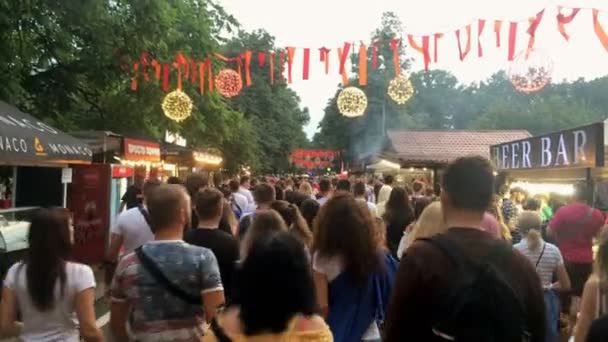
[(317, 23)]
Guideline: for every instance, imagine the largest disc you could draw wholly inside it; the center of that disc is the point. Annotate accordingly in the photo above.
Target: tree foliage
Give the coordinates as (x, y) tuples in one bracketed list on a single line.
[(70, 63), (440, 101), (365, 134), (274, 110)]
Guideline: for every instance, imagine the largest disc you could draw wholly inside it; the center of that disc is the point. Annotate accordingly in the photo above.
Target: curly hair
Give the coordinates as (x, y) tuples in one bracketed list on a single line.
[(346, 229)]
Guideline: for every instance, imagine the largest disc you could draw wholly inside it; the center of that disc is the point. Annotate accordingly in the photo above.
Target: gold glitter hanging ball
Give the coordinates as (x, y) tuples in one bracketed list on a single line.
[(228, 82), (352, 102), (400, 89), (177, 106), (530, 71)]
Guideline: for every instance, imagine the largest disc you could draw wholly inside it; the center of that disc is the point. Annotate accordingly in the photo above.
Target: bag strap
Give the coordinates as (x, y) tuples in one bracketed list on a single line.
[(219, 332), (449, 248), (541, 254), (160, 277), (144, 212)]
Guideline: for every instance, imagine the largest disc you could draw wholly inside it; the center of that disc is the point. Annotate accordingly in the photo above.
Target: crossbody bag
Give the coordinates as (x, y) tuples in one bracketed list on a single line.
[(162, 279)]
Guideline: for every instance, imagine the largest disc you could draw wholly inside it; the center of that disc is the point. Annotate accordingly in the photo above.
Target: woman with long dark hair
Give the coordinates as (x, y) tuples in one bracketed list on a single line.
[(275, 297), (351, 269), (398, 215), (54, 296)]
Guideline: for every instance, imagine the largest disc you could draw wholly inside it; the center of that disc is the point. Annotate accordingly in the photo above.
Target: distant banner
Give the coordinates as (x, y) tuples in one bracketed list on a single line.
[(313, 159)]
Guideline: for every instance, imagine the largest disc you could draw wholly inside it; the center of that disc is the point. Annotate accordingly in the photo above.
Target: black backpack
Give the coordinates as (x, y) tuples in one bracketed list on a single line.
[(478, 305)]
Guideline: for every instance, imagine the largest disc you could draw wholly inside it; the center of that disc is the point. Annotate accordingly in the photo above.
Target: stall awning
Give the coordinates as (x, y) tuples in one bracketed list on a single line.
[(24, 140)]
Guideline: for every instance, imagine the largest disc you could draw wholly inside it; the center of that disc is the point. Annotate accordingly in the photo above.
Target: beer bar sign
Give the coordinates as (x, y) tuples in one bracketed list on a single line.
[(581, 147)]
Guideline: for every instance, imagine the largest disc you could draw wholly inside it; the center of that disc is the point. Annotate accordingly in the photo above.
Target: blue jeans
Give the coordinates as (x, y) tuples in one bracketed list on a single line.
[(552, 315)]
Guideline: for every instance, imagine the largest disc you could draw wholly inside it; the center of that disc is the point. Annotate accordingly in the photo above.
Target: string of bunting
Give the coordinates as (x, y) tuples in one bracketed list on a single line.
[(230, 80)]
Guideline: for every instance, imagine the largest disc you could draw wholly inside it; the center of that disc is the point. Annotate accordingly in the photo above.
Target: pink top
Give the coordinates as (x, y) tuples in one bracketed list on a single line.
[(574, 226), (490, 225)]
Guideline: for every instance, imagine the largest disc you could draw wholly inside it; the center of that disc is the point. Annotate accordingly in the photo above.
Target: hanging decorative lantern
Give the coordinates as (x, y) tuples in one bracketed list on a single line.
[(228, 82), (530, 71), (352, 102), (177, 106), (400, 89)]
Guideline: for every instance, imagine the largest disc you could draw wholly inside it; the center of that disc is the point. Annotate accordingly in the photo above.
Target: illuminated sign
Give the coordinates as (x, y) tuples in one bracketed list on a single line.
[(575, 148)]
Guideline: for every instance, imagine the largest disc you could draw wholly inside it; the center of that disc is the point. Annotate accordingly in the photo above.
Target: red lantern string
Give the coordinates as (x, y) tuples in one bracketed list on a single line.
[(248, 55), (512, 40), (290, 54), (534, 22), (599, 30), (134, 78), (180, 61), (281, 65), (157, 67), (437, 36), (144, 65), (343, 56), (166, 69), (424, 49), (394, 44), (497, 28), (481, 24), (272, 68), (375, 55), (562, 20), (261, 59), (463, 54), (362, 65), (324, 57), (209, 73), (201, 77), (192, 71), (343, 74), (306, 64)]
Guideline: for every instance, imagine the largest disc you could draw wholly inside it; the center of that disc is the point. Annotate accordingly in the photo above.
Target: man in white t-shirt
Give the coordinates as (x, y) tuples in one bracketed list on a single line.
[(238, 201), (359, 191), (244, 189), (132, 230)]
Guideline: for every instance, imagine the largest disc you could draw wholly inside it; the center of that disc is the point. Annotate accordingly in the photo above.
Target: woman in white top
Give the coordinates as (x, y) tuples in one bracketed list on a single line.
[(53, 296), (594, 302), (547, 260)]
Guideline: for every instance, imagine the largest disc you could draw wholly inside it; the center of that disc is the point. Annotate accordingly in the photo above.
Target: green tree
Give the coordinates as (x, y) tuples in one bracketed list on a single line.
[(273, 110), (70, 63), (366, 134)]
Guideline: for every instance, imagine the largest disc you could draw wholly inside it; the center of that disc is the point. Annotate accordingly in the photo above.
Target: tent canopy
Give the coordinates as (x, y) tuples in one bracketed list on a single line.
[(25, 140)]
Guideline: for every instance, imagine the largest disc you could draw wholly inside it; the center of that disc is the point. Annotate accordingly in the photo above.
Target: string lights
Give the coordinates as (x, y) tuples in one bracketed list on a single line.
[(400, 89), (177, 106), (530, 71), (228, 82), (207, 158), (352, 102)]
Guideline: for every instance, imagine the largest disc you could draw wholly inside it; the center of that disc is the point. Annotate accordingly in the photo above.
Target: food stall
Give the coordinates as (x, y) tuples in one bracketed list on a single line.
[(421, 155), (552, 163), (36, 162)]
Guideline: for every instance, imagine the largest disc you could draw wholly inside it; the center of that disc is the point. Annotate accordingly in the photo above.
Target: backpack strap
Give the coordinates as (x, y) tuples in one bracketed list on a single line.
[(152, 268), (144, 212), (449, 248)]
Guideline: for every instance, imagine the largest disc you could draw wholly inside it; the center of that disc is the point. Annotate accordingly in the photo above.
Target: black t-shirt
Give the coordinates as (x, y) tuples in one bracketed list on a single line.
[(133, 197), (226, 250)]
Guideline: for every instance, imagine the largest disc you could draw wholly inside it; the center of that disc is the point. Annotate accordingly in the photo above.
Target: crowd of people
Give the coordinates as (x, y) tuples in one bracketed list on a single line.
[(322, 259)]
